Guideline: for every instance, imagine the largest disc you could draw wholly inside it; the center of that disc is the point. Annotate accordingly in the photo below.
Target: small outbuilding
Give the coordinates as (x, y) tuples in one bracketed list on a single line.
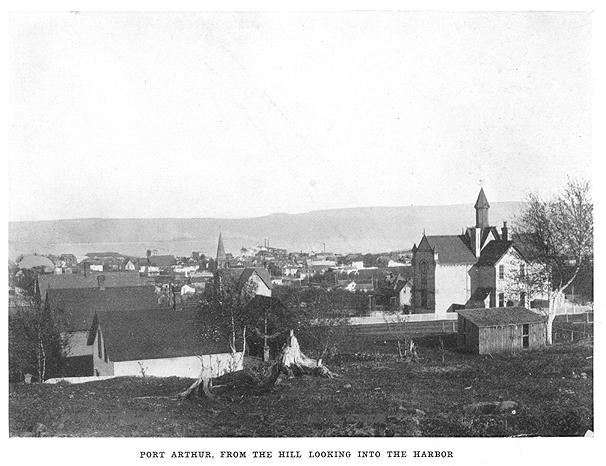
[(500, 329)]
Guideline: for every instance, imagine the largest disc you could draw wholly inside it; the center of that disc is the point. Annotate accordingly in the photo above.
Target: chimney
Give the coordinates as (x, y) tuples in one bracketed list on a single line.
[(101, 282), (504, 232), (478, 241)]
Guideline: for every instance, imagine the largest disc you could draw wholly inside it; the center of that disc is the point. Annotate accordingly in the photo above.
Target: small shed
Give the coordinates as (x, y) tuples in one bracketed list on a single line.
[(500, 329)]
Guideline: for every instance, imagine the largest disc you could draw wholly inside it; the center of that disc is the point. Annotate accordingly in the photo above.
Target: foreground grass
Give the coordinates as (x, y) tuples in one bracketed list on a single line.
[(376, 395)]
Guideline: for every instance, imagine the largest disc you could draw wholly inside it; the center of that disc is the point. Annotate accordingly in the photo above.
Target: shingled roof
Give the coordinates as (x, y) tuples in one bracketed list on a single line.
[(76, 280), (131, 336), (499, 316), (493, 252), (451, 249), (80, 304)]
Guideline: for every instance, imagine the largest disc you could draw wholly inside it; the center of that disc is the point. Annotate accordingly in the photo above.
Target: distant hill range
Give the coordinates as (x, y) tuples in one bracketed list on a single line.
[(361, 229)]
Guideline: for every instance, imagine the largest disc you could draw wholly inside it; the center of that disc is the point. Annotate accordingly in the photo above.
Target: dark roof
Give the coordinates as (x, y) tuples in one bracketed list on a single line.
[(498, 316), (241, 275), (162, 261), (480, 294), (451, 249), (77, 280), (80, 304), (154, 334), (493, 252), (481, 202), (526, 244)]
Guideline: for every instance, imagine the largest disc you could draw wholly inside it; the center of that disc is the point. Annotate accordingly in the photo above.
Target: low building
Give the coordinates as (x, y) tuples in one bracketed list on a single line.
[(75, 309), (157, 343), (500, 329), (90, 280)]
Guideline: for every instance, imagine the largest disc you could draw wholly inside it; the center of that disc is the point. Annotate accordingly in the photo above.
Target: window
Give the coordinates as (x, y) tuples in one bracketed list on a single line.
[(522, 270), (99, 347), (501, 272), (501, 299), (423, 298), (525, 333)]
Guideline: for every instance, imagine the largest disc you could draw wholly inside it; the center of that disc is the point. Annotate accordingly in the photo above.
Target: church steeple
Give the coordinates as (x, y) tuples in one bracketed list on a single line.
[(221, 257), (482, 207)]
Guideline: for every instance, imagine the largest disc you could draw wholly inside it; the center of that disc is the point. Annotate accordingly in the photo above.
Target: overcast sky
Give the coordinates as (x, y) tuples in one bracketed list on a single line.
[(239, 115)]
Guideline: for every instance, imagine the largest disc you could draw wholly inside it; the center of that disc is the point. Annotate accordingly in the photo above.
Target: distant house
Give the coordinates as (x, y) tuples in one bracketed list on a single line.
[(157, 343), (130, 265), (257, 277), (76, 308), (497, 330)]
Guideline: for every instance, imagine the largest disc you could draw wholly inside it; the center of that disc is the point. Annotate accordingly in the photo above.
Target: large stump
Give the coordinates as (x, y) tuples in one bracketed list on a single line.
[(292, 362)]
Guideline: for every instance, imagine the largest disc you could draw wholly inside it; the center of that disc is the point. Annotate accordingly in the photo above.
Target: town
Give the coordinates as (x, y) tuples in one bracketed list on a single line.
[(108, 315), (260, 227)]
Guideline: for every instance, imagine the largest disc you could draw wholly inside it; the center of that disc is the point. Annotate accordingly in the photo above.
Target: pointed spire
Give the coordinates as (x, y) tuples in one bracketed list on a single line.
[(482, 207), (221, 258), (482, 202)]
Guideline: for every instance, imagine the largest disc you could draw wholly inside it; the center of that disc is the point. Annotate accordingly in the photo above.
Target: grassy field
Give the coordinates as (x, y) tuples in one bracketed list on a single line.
[(377, 394)]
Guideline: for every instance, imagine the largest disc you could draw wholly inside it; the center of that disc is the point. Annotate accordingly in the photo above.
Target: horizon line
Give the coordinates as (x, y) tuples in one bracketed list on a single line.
[(256, 216)]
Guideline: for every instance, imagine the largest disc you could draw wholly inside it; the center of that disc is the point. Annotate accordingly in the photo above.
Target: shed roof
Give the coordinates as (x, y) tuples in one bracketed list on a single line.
[(499, 316), (80, 304), (155, 334)]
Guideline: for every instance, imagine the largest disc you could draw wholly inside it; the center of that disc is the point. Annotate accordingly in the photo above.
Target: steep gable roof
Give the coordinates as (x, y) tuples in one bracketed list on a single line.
[(451, 249), (493, 252), (80, 304), (155, 334), (242, 274), (498, 316)]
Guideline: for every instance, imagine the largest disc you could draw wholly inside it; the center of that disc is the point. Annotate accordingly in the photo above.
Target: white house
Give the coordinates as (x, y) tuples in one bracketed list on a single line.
[(158, 343), (473, 269)]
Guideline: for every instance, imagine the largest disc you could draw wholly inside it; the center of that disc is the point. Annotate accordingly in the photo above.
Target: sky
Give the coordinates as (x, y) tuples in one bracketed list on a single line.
[(247, 114)]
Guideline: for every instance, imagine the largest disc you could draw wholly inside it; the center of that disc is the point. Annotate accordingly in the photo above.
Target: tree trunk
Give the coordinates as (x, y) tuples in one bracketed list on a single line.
[(204, 381), (292, 362), (555, 303)]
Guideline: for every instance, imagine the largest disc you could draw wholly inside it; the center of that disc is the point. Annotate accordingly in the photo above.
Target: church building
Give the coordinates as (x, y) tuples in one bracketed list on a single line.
[(470, 270)]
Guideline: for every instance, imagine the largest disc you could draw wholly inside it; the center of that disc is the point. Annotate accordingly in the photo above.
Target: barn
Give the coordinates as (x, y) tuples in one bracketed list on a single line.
[(500, 330)]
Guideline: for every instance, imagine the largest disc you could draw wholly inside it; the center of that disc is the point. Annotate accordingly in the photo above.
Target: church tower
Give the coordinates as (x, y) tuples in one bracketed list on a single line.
[(221, 258), (482, 207)]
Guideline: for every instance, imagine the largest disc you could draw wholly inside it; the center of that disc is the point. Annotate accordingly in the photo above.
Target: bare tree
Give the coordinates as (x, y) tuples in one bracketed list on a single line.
[(557, 239)]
